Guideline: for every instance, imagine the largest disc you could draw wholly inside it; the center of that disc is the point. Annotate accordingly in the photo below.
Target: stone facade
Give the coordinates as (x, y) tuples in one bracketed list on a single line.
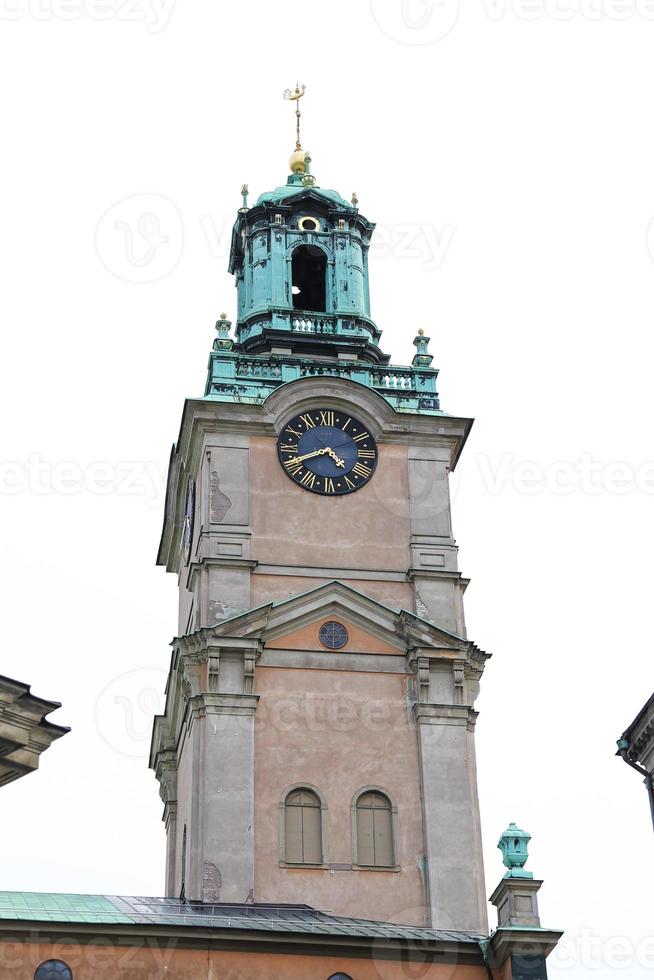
[(255, 703)]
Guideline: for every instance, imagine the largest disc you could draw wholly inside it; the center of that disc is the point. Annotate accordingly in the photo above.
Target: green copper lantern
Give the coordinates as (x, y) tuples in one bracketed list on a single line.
[(513, 845)]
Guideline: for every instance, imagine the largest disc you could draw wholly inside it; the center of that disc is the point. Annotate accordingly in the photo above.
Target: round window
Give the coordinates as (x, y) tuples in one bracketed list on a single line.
[(53, 970), (309, 224), (333, 636)]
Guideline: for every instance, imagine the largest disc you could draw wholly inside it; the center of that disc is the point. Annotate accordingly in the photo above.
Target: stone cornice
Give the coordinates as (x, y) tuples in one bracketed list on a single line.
[(640, 735), (224, 561), (458, 715), (518, 941), (25, 731), (224, 704)]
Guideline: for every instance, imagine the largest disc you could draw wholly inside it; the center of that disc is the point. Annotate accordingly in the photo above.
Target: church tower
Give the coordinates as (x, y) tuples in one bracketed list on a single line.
[(317, 744)]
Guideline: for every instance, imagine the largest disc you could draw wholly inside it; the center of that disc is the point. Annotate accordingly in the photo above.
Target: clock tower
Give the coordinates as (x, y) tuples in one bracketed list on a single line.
[(317, 743)]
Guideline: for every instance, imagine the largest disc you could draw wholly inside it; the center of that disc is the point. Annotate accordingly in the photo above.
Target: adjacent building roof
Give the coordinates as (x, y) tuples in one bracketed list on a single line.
[(25, 731), (129, 910), (639, 737), (270, 928)]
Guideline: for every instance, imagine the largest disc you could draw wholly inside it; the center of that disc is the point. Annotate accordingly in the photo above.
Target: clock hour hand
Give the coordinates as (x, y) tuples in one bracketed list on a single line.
[(337, 459), (318, 452)]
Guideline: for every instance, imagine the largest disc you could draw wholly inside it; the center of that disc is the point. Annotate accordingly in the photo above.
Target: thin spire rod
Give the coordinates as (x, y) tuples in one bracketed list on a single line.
[(295, 96)]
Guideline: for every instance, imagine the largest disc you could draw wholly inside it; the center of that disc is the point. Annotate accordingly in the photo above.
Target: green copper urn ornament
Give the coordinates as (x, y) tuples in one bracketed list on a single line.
[(513, 845)]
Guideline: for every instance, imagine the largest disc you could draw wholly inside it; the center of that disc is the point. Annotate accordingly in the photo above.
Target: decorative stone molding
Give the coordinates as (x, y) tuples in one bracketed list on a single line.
[(458, 668), (445, 714), (423, 678), (25, 731)]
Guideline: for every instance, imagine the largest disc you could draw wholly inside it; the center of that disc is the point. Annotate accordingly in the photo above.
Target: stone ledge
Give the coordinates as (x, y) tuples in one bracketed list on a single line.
[(459, 715), (521, 941)]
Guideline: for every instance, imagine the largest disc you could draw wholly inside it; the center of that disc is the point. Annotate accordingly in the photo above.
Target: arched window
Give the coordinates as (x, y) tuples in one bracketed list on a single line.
[(374, 830), (53, 970), (302, 828), (309, 277)]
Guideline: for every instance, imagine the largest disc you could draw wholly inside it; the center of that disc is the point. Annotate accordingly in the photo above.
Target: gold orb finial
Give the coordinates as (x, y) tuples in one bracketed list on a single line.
[(421, 332), (297, 163)]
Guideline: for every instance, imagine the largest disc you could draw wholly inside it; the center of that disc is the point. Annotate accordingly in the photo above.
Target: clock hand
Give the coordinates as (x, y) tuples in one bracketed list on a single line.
[(337, 459), (316, 452), (319, 452)]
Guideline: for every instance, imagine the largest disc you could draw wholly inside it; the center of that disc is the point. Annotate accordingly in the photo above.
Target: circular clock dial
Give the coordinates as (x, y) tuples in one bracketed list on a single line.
[(327, 452)]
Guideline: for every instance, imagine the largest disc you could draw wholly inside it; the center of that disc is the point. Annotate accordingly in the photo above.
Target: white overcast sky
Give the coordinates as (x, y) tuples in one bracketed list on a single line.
[(506, 151)]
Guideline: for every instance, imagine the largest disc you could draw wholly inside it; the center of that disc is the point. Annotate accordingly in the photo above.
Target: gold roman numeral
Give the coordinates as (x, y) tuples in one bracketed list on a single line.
[(360, 438), (288, 447), (351, 485), (289, 429), (308, 421), (362, 470), (308, 479), (326, 418), (329, 486), (346, 424), (293, 466), (366, 454)]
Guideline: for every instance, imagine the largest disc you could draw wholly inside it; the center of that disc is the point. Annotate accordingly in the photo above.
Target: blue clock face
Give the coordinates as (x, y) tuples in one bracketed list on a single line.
[(327, 452)]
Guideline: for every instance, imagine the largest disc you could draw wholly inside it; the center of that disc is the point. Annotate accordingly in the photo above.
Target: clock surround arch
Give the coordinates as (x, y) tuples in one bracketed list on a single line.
[(313, 393)]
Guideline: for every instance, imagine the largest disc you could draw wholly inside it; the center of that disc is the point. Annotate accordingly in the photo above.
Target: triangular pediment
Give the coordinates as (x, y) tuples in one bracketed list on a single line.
[(374, 627)]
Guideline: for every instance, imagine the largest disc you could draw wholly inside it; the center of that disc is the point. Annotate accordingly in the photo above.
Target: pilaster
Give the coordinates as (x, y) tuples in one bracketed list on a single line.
[(456, 892), (224, 870)]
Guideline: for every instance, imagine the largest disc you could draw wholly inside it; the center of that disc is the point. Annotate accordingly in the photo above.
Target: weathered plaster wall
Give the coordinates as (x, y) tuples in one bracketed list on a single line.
[(90, 962), (338, 731), (367, 529)]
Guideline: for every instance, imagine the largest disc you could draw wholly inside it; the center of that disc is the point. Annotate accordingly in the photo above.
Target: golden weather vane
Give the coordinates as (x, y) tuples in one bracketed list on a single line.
[(295, 96)]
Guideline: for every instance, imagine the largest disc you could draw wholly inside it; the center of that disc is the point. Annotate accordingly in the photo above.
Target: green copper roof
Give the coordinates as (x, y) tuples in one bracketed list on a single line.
[(295, 185), (52, 907), (131, 910)]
